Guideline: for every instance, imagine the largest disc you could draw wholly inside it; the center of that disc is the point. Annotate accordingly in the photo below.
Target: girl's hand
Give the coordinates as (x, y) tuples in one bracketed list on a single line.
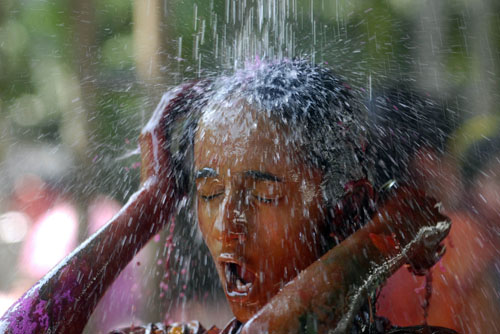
[(409, 212), (407, 229), (63, 300)]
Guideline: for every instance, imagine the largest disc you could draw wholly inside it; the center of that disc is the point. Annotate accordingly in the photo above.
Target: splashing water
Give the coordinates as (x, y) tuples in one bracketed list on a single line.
[(273, 168)]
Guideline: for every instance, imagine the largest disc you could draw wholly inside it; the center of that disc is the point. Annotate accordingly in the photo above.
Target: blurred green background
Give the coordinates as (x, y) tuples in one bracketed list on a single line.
[(82, 76), (79, 78)]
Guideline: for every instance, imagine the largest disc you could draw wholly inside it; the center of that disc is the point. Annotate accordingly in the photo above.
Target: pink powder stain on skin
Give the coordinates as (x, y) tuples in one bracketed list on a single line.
[(30, 314), (19, 315)]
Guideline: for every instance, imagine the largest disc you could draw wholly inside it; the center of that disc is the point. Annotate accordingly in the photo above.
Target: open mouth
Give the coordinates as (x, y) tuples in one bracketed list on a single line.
[(239, 281)]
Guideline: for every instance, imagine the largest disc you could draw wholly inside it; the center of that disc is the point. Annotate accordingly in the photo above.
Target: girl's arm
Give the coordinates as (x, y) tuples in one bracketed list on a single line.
[(407, 229), (63, 300)]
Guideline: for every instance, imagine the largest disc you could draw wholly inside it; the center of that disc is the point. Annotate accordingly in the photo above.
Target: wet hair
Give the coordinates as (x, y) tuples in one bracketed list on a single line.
[(403, 121), (321, 110), (327, 125)]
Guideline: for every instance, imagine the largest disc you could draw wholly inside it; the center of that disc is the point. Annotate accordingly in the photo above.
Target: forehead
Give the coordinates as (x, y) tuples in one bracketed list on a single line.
[(236, 136)]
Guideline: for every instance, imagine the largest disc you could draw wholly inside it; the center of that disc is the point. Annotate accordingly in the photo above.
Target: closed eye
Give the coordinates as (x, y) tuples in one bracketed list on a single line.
[(266, 200), (210, 197)]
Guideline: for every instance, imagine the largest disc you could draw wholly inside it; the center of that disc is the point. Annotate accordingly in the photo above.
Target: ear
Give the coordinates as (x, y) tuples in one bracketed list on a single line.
[(354, 209)]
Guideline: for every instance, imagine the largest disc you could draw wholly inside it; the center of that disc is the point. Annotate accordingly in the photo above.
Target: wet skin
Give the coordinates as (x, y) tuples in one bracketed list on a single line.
[(260, 207)]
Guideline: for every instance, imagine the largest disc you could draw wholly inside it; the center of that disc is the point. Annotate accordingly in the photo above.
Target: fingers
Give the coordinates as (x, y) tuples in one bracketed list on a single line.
[(419, 219)]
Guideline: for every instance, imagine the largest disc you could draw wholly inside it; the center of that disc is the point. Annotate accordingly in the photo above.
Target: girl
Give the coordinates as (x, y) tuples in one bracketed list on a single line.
[(276, 161)]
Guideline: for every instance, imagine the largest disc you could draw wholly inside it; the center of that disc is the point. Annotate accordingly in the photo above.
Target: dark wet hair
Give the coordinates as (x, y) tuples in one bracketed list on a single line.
[(319, 107), (315, 104), (403, 121)]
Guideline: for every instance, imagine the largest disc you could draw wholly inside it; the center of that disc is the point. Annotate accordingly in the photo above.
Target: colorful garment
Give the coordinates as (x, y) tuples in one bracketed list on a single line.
[(234, 327)]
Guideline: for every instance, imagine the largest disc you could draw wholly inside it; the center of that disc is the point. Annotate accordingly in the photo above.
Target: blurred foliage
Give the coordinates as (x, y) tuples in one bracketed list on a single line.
[(69, 74), (92, 101)]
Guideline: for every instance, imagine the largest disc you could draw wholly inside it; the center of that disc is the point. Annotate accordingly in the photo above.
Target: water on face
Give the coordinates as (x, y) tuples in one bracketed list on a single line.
[(408, 125), (408, 76)]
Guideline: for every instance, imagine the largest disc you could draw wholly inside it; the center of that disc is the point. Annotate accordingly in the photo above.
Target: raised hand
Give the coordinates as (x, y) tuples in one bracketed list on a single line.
[(63, 300), (408, 228)]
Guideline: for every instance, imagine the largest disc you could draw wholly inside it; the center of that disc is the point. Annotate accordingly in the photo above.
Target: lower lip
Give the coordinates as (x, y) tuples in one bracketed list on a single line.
[(238, 297), (238, 294)]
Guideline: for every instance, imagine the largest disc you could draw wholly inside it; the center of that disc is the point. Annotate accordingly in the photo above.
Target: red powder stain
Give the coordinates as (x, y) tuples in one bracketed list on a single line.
[(384, 243)]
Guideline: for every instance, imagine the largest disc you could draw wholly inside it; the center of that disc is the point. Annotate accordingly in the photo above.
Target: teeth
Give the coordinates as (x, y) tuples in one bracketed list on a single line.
[(235, 284), (239, 285), (243, 287)]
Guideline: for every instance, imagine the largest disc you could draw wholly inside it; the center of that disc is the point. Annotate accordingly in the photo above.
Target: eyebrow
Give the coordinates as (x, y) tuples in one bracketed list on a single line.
[(206, 172), (258, 175), (254, 174)]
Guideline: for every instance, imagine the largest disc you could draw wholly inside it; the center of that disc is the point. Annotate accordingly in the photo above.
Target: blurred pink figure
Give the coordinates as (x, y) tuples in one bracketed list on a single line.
[(100, 211), (53, 236), (54, 232)]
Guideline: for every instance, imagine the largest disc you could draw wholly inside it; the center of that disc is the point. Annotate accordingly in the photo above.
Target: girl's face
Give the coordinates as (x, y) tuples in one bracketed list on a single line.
[(260, 207)]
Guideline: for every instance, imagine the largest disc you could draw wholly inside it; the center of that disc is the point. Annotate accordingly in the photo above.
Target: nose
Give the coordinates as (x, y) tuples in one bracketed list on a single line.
[(232, 218)]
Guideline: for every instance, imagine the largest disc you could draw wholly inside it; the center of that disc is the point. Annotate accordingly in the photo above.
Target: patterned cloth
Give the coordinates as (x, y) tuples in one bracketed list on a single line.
[(234, 326), (192, 327)]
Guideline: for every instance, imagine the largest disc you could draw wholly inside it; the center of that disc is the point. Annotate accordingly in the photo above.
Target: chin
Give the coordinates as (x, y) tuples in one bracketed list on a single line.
[(244, 312)]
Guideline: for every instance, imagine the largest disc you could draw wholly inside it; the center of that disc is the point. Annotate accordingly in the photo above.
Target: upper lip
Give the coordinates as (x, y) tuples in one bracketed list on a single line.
[(230, 258)]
